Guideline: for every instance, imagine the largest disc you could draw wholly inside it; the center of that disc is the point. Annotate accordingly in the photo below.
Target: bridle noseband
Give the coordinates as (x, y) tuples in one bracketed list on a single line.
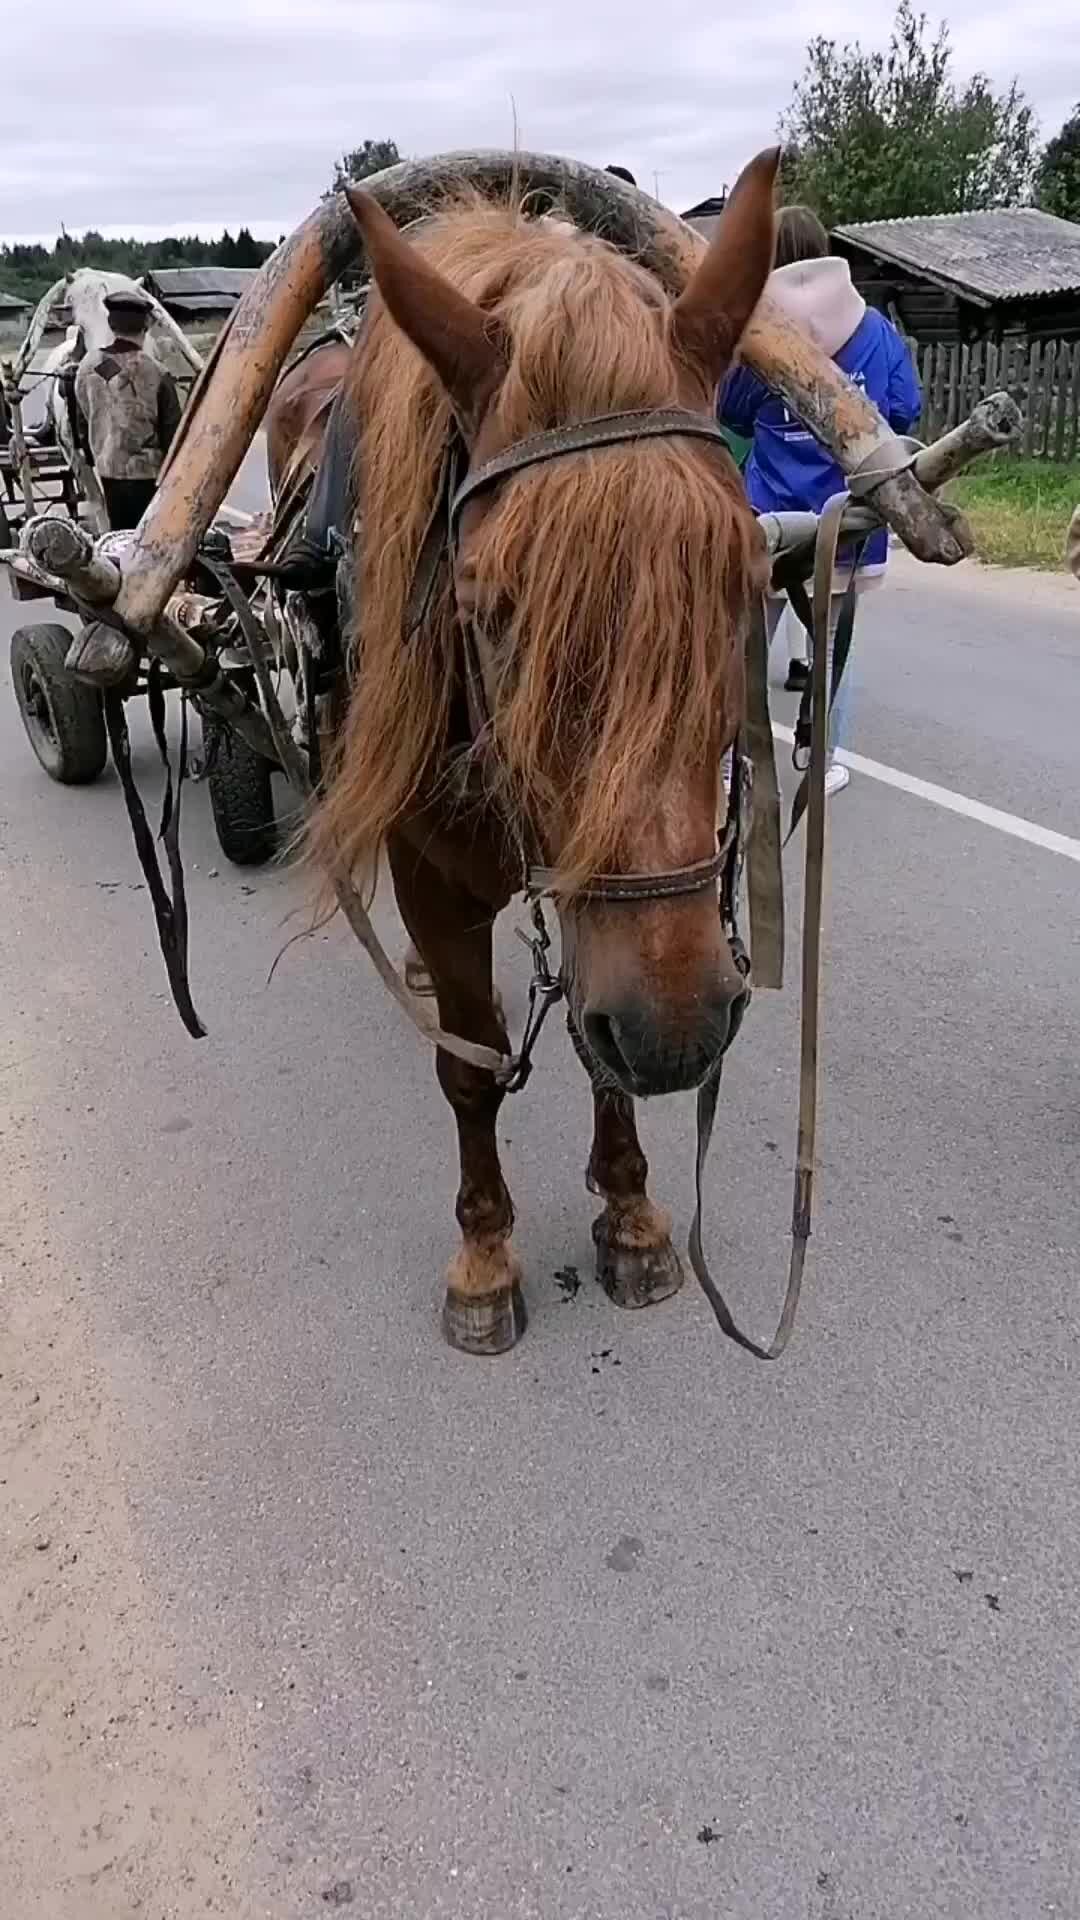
[(636, 887)]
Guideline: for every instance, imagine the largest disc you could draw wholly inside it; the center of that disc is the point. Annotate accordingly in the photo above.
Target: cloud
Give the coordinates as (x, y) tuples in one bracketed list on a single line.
[(196, 115)]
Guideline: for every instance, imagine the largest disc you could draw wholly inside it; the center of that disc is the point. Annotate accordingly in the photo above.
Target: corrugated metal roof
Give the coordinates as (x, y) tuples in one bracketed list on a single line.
[(12, 303), (185, 283), (1013, 253), (193, 303)]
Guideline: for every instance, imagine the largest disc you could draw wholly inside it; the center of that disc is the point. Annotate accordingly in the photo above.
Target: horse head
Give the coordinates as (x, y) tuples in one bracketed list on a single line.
[(607, 594)]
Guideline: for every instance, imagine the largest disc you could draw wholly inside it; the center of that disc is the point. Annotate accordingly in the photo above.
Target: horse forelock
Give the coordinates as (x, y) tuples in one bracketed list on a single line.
[(626, 572)]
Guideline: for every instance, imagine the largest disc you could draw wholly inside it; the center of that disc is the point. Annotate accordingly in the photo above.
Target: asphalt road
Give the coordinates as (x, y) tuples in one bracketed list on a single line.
[(622, 1626)]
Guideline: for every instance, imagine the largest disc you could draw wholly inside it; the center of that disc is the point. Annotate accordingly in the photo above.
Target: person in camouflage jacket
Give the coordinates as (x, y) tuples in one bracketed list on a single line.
[(129, 408)]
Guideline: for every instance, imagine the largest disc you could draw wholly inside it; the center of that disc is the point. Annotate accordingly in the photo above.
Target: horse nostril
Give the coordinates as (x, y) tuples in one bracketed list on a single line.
[(600, 1035), (650, 1049)]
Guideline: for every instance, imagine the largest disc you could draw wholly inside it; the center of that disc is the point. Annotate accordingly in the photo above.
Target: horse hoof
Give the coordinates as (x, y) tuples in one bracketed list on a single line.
[(636, 1276), (484, 1324)]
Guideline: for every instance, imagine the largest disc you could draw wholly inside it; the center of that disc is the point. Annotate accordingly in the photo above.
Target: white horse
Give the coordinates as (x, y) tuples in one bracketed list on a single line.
[(84, 293)]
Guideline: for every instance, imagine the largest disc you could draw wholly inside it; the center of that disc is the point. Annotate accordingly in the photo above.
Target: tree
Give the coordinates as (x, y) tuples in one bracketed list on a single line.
[(247, 251), (1058, 179), (370, 157), (29, 270), (881, 135)]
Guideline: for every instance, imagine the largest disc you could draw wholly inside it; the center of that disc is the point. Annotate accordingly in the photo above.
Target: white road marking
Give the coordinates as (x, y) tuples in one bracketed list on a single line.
[(1010, 823)]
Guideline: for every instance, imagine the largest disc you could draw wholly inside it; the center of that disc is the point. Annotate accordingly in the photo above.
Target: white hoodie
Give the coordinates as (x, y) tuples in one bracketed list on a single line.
[(818, 296)]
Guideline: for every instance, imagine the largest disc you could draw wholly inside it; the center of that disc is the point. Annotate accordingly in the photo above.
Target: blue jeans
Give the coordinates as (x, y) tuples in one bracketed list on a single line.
[(840, 719)]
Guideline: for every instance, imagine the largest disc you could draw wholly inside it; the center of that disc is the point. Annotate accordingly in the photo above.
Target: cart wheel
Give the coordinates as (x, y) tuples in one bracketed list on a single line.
[(64, 721), (241, 795)]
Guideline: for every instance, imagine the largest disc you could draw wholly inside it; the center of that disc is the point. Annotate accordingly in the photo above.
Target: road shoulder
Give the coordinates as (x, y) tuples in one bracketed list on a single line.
[(120, 1799)]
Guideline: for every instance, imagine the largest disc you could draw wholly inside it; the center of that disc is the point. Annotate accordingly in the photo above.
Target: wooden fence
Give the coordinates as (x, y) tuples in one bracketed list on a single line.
[(1043, 377)]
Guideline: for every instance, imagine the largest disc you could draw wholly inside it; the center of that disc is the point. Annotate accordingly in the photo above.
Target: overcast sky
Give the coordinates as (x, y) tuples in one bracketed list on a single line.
[(158, 116)]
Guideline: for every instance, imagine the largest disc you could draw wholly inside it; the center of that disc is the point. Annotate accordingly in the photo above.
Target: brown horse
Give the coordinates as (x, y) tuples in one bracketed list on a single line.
[(297, 415), (605, 595)]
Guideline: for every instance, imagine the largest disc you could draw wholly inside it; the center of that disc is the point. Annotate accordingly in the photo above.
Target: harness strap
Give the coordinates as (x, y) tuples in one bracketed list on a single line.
[(434, 544), (502, 1065), (170, 910), (586, 436), (765, 879), (543, 882), (802, 1198), (841, 647)]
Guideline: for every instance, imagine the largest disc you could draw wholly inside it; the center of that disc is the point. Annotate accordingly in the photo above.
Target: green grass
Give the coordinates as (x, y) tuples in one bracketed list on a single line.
[(1019, 510)]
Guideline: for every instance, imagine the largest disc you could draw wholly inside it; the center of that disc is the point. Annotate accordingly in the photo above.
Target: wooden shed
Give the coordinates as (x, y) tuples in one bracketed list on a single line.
[(968, 277), (14, 316), (704, 216)]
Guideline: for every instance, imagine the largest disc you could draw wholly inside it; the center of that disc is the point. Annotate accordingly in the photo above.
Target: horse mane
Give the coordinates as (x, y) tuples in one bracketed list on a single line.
[(619, 581)]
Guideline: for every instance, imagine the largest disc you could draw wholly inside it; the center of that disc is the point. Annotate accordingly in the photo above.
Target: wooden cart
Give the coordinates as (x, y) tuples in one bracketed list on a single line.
[(48, 479)]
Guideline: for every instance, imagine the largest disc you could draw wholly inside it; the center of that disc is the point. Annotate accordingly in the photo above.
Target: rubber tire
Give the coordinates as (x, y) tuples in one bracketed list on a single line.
[(70, 742), (241, 796)]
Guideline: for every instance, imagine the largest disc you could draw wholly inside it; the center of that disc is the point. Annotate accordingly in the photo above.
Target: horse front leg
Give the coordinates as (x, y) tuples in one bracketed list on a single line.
[(636, 1263), (484, 1310)]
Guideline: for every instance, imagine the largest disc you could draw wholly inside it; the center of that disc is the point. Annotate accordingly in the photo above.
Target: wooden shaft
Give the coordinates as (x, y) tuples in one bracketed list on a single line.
[(65, 550), (62, 548), (173, 331), (841, 416), (21, 455), (91, 487), (224, 697), (220, 421), (991, 424), (38, 323)]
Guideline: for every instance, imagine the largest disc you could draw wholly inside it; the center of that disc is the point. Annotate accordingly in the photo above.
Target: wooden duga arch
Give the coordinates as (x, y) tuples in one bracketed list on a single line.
[(231, 396)]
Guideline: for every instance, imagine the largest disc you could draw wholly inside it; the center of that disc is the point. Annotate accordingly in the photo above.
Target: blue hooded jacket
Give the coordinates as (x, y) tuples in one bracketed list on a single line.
[(788, 469)]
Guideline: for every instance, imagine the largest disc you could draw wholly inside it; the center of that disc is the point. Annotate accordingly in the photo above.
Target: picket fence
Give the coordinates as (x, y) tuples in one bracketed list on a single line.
[(1043, 377)]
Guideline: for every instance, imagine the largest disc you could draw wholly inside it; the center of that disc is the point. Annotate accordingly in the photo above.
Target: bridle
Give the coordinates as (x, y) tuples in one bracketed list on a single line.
[(458, 485)]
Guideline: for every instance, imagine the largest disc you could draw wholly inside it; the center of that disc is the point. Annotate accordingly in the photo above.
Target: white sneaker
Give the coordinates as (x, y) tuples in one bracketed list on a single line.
[(836, 779)]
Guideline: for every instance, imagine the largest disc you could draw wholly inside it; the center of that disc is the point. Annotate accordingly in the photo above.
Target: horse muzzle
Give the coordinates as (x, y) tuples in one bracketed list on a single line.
[(648, 1051)]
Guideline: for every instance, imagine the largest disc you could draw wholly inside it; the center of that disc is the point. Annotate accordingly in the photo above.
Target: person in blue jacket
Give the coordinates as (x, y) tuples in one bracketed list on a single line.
[(787, 468)]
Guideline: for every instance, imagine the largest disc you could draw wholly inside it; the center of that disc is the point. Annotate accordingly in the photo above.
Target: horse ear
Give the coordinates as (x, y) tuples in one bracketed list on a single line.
[(711, 313), (457, 339)]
